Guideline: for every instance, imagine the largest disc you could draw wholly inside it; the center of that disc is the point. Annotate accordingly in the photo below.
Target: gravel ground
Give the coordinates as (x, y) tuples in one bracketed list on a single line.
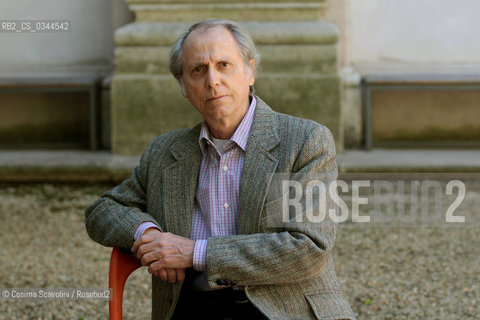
[(387, 273)]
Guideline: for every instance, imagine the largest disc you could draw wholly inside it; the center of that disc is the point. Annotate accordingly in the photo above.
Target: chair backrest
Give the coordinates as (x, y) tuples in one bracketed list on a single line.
[(121, 266)]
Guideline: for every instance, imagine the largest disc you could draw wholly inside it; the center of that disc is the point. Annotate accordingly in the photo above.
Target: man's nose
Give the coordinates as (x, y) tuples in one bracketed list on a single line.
[(213, 77)]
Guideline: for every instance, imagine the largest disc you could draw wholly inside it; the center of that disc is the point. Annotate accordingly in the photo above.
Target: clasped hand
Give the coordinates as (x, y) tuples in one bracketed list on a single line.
[(166, 254)]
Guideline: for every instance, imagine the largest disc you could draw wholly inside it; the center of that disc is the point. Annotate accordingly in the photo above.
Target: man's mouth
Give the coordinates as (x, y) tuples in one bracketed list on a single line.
[(215, 98)]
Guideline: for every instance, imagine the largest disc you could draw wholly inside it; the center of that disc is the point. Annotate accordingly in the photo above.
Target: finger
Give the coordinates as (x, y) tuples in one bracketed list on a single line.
[(141, 243), (142, 250), (172, 275), (171, 261), (148, 248), (180, 274), (145, 239), (162, 274), (136, 244), (150, 257), (148, 236), (155, 267)]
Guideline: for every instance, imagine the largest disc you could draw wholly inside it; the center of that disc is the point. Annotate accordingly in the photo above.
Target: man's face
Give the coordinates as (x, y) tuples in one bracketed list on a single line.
[(215, 78)]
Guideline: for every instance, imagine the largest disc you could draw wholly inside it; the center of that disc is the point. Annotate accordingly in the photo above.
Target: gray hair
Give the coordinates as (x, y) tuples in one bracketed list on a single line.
[(245, 43)]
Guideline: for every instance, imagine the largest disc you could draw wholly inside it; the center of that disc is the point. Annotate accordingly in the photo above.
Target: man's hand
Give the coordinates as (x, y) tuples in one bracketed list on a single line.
[(170, 275), (166, 255)]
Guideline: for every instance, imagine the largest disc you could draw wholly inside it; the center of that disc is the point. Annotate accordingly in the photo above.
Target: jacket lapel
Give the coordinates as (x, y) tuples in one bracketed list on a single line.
[(258, 168), (181, 177), (181, 183)]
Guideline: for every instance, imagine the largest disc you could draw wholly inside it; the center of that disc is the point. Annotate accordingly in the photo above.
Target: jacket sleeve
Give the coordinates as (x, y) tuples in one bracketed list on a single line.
[(292, 247), (113, 219)]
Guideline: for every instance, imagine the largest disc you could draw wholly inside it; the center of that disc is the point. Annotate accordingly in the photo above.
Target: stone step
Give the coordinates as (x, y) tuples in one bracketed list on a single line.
[(263, 33), (302, 58), (86, 166), (64, 166), (245, 11), (221, 1), (409, 160)]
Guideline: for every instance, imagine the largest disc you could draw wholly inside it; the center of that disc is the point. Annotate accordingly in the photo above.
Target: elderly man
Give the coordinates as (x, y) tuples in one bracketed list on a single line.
[(195, 210)]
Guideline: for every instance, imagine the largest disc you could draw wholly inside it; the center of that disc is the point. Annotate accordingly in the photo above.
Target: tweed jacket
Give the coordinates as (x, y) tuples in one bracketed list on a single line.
[(286, 269)]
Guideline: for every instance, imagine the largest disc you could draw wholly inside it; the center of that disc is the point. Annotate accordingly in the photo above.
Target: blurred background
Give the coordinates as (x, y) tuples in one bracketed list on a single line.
[(397, 82)]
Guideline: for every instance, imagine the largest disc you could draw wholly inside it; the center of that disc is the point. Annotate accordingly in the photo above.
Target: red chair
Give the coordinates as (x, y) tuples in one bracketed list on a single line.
[(121, 266)]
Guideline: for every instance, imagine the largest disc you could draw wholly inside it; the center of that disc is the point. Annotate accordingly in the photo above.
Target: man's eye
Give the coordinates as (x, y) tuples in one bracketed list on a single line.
[(225, 64), (197, 69)]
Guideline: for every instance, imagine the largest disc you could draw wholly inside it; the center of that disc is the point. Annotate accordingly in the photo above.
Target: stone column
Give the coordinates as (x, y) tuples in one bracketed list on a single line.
[(297, 72)]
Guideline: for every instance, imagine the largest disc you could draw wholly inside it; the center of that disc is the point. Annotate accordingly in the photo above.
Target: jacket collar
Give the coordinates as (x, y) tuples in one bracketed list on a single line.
[(263, 133), (263, 130), (259, 165)]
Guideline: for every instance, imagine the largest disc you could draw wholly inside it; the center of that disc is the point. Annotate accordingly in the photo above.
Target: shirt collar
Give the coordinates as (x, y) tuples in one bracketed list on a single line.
[(240, 137)]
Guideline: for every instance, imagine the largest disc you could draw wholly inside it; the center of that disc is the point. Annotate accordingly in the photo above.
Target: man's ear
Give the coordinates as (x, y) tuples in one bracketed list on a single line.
[(182, 87), (251, 72)]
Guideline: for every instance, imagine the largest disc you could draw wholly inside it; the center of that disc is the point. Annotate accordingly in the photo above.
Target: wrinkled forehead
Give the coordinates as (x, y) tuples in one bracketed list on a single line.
[(216, 37)]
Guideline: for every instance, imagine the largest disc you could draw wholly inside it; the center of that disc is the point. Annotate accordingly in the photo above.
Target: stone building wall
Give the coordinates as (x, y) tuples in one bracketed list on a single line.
[(297, 73)]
